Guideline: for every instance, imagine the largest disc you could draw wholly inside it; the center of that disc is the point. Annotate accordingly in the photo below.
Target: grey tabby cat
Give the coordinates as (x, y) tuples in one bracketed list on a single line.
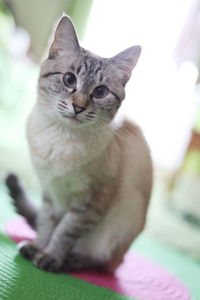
[(95, 174)]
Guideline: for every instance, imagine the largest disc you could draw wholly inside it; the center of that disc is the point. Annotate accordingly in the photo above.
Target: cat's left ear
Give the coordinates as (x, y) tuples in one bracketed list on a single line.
[(65, 38), (125, 61)]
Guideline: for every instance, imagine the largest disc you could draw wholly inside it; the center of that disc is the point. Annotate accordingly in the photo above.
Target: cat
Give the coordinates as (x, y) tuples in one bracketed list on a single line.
[(95, 174)]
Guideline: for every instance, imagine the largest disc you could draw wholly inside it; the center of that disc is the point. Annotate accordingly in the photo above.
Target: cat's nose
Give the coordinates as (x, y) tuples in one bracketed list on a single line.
[(78, 109), (80, 102)]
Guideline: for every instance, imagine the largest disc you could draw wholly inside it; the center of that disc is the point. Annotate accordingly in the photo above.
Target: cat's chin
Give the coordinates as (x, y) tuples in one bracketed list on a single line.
[(71, 121)]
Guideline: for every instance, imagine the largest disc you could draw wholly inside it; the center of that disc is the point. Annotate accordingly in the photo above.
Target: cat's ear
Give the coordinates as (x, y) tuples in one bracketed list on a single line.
[(65, 38), (125, 61)]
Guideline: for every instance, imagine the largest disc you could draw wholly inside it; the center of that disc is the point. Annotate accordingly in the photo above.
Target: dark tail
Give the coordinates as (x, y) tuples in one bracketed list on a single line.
[(22, 205)]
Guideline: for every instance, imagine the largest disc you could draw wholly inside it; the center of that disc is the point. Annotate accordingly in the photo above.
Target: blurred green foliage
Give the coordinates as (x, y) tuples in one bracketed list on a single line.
[(18, 79), (191, 163)]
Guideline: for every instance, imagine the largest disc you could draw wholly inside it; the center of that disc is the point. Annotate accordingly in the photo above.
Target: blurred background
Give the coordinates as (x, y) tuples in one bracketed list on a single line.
[(163, 95)]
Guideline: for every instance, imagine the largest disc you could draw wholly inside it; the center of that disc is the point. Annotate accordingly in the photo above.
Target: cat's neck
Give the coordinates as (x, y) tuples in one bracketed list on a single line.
[(52, 141)]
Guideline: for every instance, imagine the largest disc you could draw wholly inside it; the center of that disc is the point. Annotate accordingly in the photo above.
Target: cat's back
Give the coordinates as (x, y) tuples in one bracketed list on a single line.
[(133, 156), (130, 137), (130, 141)]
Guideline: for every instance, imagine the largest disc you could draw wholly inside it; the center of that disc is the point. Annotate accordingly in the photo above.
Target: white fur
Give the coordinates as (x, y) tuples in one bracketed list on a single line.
[(58, 156)]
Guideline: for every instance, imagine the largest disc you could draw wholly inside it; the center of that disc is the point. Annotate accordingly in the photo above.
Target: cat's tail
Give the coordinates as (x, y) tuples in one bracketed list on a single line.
[(22, 204)]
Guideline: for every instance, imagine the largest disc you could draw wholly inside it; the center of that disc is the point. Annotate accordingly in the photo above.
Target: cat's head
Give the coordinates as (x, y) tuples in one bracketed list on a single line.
[(77, 87)]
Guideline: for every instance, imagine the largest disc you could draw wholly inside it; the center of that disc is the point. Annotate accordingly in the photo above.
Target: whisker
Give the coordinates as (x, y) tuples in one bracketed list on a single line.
[(61, 105), (90, 117), (125, 131), (120, 136), (96, 140), (109, 132)]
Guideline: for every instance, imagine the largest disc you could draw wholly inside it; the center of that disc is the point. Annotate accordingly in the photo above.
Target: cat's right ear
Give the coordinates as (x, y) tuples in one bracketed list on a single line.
[(65, 38), (125, 61)]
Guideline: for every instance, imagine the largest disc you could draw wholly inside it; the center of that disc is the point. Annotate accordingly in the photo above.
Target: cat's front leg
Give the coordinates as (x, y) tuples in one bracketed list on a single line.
[(74, 223), (46, 222)]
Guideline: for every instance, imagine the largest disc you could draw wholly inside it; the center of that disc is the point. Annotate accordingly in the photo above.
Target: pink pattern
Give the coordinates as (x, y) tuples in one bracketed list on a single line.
[(137, 277)]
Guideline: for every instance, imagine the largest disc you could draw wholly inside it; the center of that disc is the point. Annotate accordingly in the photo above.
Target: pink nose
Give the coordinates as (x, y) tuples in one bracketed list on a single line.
[(78, 109)]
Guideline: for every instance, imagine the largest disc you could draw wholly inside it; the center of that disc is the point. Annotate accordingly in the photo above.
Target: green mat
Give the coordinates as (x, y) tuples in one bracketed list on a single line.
[(20, 280)]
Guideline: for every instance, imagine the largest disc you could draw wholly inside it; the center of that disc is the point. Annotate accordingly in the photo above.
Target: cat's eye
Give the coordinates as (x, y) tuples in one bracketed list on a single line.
[(70, 80), (100, 91)]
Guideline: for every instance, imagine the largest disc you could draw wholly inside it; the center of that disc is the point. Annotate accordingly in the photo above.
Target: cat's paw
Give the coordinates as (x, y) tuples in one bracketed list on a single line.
[(74, 262), (46, 262), (27, 250)]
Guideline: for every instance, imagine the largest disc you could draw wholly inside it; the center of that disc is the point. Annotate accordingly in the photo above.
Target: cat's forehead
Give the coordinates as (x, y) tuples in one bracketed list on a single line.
[(86, 64), (92, 67)]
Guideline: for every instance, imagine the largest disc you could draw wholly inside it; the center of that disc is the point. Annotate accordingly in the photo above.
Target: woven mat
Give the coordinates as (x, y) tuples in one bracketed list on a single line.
[(20, 280)]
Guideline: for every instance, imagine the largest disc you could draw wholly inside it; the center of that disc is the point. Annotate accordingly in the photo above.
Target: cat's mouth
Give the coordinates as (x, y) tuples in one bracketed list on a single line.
[(71, 118)]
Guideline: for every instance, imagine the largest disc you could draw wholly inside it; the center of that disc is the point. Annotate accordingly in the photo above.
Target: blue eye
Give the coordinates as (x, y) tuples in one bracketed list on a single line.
[(100, 91), (70, 80)]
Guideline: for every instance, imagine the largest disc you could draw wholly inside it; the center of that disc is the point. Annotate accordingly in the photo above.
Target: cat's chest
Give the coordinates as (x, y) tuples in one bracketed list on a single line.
[(67, 166), (66, 171), (74, 186), (70, 188), (55, 154)]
